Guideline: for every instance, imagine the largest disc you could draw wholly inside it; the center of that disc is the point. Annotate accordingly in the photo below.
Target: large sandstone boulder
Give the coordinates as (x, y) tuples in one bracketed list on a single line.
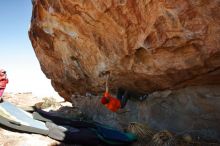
[(146, 45)]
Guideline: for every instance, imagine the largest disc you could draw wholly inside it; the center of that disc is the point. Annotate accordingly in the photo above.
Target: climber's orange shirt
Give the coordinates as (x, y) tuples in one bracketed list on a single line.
[(114, 104)]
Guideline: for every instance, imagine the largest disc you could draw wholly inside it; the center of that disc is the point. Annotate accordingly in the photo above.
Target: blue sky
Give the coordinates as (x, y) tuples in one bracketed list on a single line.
[(17, 56)]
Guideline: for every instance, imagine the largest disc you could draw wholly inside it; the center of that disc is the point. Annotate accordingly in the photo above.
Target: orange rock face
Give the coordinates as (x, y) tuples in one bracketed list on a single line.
[(146, 45)]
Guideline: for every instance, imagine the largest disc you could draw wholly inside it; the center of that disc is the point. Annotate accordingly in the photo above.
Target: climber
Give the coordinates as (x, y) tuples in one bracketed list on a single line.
[(113, 103), (3, 82)]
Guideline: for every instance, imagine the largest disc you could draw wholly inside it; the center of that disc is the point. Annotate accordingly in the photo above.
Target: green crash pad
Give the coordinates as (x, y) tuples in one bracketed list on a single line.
[(16, 118)]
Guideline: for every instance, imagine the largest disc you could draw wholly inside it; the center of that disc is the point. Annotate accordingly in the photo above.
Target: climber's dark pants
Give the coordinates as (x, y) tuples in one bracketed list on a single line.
[(124, 95)]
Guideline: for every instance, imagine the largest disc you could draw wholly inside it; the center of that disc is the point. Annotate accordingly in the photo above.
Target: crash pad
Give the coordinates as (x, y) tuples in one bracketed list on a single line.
[(13, 117), (106, 133), (62, 129)]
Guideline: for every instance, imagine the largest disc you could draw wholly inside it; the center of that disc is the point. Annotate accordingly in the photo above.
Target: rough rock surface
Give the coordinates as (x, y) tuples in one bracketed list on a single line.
[(146, 45), (190, 110)]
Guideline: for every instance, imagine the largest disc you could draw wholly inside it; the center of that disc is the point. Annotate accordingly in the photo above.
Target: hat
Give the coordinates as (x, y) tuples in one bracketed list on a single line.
[(2, 71)]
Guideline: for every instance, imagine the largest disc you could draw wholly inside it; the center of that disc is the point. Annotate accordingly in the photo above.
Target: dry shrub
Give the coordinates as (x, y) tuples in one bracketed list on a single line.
[(163, 138), (47, 102), (143, 131)]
